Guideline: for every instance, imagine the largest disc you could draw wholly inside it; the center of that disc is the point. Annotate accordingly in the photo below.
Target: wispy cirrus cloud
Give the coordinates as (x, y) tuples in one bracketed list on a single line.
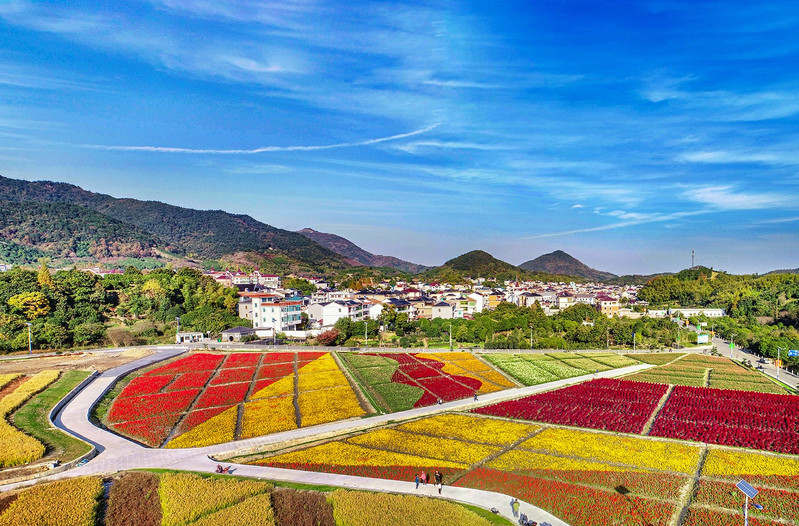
[(728, 197), (263, 149), (638, 219)]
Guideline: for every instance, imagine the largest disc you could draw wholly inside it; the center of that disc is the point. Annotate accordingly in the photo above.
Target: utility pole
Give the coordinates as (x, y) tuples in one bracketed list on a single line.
[(177, 332), (30, 345), (779, 362), (366, 333)]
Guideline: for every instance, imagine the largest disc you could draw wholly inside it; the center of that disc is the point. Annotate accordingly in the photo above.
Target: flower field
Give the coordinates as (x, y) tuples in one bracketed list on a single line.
[(71, 502), (613, 405), (534, 369), (181, 499), (197, 400), (571, 473), (657, 358), (719, 416), (16, 447), (369, 509), (695, 370), (400, 381)]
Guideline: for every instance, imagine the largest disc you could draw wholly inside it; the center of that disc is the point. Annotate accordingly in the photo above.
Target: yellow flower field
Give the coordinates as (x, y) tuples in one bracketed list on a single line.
[(600, 447), (471, 427), (527, 460), (728, 463), (328, 405), (217, 430), (465, 364), (425, 446), (185, 496), (71, 502), (270, 415), (345, 454), (254, 511), (16, 447), (370, 509), (283, 387)]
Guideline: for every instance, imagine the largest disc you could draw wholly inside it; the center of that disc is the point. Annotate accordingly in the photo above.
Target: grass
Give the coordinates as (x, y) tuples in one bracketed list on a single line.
[(32, 418), (493, 518)]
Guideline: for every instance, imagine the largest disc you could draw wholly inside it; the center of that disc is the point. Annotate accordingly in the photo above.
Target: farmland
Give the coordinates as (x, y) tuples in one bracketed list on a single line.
[(582, 476), (208, 398), (181, 498), (400, 381), (695, 370), (534, 369)]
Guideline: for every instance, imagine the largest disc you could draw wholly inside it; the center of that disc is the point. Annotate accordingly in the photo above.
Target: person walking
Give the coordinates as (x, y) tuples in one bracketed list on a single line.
[(514, 504), (475, 396), (424, 478), (439, 480), (417, 481)]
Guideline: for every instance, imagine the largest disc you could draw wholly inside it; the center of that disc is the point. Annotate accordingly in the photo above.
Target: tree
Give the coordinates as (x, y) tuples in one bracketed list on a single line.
[(32, 304), (328, 338), (43, 277)]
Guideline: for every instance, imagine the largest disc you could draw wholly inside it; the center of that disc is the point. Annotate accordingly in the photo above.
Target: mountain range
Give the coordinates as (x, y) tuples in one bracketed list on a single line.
[(64, 222)]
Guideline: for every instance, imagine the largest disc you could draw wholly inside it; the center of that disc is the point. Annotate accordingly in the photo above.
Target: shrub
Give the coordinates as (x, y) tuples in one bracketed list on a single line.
[(119, 337)]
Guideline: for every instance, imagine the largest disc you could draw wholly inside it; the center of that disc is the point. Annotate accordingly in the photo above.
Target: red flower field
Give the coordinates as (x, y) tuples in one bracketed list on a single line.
[(613, 405)]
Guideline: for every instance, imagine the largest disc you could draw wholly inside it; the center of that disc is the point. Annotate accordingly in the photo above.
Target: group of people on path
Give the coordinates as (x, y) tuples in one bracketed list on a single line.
[(423, 477)]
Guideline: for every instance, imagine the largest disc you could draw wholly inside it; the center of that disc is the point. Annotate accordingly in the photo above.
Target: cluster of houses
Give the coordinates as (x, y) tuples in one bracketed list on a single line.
[(273, 308)]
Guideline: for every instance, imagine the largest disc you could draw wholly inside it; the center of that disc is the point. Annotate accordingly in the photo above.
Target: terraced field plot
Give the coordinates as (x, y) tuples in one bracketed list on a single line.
[(206, 398), (534, 369), (181, 499), (696, 370), (400, 381), (582, 476), (564, 471)]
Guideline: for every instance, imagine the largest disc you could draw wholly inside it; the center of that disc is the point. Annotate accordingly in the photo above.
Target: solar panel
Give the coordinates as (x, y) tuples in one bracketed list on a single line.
[(747, 489)]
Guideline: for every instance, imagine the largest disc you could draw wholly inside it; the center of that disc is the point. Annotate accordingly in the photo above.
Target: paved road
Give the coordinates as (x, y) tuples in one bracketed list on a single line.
[(118, 454), (739, 354)]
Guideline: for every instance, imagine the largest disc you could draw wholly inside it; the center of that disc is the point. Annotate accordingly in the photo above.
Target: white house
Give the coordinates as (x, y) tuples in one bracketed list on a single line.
[(280, 316)]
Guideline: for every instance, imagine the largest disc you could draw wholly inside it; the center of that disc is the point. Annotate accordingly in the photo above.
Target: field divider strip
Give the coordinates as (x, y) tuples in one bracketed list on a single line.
[(688, 491), (651, 422)]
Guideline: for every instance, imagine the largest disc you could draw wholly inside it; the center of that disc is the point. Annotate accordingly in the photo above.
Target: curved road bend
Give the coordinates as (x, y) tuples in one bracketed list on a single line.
[(117, 453)]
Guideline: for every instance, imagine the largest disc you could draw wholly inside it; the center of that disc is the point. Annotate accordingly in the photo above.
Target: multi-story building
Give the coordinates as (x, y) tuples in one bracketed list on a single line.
[(277, 315), (328, 313)]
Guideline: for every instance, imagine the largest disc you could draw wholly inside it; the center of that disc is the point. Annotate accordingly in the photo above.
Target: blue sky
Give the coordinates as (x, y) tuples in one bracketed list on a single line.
[(625, 133)]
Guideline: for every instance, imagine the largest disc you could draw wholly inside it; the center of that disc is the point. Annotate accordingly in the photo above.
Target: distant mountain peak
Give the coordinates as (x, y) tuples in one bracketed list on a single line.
[(356, 254), (559, 262)]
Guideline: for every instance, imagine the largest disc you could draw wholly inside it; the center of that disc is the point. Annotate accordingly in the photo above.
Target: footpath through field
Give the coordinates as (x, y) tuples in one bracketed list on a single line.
[(116, 453)]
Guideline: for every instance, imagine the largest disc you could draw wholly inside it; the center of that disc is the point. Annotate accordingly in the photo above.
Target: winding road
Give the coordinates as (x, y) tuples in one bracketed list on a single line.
[(116, 453)]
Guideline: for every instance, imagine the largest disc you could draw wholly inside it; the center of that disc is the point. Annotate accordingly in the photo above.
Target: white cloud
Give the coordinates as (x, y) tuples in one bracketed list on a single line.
[(726, 197), (263, 149)]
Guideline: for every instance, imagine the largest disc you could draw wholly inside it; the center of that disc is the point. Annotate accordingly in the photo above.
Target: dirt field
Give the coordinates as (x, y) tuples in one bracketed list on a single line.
[(101, 361)]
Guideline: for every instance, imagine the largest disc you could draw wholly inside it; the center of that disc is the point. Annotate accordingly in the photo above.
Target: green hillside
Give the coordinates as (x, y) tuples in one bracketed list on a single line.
[(30, 230), (206, 234)]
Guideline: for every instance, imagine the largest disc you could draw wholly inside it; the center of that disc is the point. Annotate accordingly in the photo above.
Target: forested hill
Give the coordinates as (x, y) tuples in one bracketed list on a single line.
[(479, 263), (353, 252), (30, 230), (559, 262), (205, 234)]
